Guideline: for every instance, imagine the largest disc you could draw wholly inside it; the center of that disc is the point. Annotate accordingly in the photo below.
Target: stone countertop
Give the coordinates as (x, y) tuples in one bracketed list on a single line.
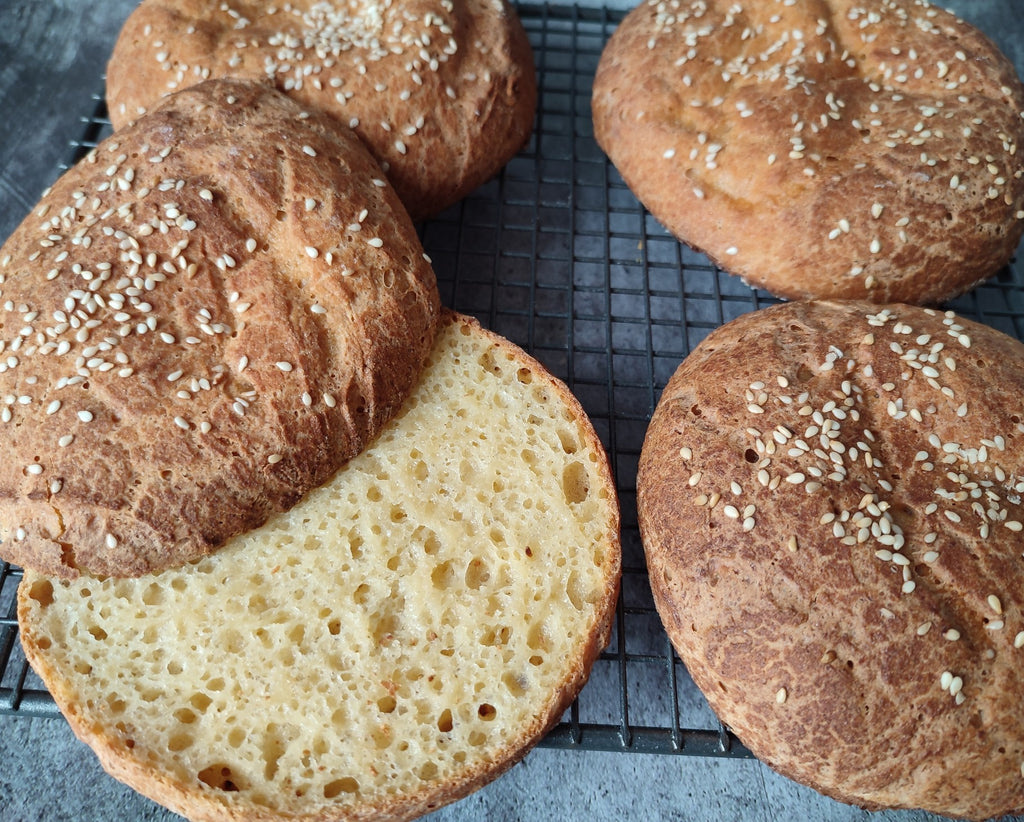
[(52, 54)]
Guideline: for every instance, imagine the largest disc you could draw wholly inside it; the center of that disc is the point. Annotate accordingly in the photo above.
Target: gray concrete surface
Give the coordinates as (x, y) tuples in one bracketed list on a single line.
[(51, 51)]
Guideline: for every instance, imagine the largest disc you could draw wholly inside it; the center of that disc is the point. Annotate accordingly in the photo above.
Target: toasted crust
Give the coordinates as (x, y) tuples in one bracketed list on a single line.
[(185, 366), (832, 520), (442, 93), (872, 157), (397, 639)]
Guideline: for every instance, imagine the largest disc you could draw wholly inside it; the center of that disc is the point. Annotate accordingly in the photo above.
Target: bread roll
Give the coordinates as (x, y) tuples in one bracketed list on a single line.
[(202, 320), (443, 93), (394, 641), (830, 501), (852, 148)]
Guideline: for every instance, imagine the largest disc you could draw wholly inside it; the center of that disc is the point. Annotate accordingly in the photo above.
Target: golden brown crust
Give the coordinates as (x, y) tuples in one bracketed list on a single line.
[(443, 93), (379, 633), (204, 319), (832, 520), (872, 157)]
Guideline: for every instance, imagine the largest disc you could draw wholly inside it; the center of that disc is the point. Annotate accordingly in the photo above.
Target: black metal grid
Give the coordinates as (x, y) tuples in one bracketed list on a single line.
[(557, 255)]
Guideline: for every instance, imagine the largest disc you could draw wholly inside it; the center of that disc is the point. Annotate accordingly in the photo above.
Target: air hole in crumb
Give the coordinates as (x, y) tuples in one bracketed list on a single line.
[(477, 574), (750, 455), (153, 595), (575, 483), (517, 684), (97, 632), (444, 723), (487, 712), (334, 627), (431, 544), (386, 704), (442, 576), (179, 742), (575, 591), (340, 786), (218, 776), (42, 592)]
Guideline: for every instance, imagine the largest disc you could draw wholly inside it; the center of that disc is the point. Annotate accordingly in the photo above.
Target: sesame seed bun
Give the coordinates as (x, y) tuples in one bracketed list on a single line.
[(830, 501), (443, 93), (202, 320), (399, 638), (855, 149)]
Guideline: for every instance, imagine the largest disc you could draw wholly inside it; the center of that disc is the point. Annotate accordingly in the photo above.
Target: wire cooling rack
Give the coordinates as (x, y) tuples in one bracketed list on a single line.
[(557, 255)]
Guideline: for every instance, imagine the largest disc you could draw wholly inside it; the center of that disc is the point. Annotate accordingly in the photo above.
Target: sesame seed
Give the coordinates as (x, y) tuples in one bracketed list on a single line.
[(781, 695), (85, 416), (376, 242), (284, 366), (311, 252), (309, 150), (273, 459), (995, 604), (329, 400)]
